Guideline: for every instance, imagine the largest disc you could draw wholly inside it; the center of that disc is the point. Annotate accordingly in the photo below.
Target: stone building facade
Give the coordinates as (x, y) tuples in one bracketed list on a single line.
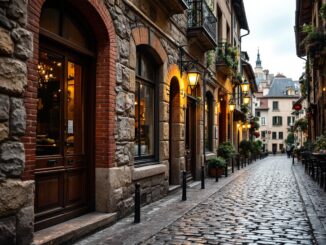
[(86, 113), (17, 196), (310, 45)]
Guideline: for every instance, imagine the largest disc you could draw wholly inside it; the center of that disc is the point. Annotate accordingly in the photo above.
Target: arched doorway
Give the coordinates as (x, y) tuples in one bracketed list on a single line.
[(174, 129), (64, 128)]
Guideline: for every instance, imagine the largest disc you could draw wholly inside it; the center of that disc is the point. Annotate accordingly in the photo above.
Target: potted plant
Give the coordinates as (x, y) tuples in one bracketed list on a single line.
[(216, 165), (226, 150), (245, 148)]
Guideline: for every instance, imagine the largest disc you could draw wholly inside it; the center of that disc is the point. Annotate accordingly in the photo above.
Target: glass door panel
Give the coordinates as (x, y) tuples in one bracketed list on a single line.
[(74, 107), (49, 104)]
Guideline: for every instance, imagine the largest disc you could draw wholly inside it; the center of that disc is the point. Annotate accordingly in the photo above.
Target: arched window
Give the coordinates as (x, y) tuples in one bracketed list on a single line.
[(209, 122), (145, 106)]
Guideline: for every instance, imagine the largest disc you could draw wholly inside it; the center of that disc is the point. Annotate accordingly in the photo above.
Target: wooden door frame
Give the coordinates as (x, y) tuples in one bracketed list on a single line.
[(88, 84)]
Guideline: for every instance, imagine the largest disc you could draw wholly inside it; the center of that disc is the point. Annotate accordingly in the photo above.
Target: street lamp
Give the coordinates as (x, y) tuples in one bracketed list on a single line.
[(246, 99), (193, 78), (245, 86), (231, 104)]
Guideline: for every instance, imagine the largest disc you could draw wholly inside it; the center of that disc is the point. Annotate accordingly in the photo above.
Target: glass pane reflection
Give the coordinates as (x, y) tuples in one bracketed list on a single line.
[(144, 124), (48, 104)]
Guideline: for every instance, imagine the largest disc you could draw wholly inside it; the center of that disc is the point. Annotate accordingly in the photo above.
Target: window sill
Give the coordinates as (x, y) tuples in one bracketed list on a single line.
[(143, 172)]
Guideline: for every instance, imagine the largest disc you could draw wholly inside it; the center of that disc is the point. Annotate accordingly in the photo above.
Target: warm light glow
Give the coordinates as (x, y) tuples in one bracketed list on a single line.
[(243, 126), (324, 89), (246, 99), (238, 125), (193, 77), (231, 104), (248, 125), (245, 86)]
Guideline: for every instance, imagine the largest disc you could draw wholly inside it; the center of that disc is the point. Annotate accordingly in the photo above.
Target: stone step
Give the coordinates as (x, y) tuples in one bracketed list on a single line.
[(74, 229), (173, 188)]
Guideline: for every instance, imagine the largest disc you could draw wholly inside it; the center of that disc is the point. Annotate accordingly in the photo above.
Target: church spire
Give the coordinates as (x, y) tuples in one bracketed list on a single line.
[(258, 61)]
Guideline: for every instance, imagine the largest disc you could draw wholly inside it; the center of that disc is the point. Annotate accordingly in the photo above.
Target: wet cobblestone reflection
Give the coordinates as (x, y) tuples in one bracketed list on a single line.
[(260, 207)]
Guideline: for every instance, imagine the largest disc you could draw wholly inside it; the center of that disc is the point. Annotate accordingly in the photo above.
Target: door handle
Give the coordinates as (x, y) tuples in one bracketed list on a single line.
[(51, 163)]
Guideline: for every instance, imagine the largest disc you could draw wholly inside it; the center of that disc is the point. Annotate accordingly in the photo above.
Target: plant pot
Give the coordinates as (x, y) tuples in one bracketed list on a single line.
[(212, 172)]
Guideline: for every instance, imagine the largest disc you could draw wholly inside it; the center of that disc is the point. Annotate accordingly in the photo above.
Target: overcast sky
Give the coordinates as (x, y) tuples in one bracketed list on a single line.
[(271, 24)]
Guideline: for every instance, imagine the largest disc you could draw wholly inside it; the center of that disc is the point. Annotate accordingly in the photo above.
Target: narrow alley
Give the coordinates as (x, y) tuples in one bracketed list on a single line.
[(260, 204)]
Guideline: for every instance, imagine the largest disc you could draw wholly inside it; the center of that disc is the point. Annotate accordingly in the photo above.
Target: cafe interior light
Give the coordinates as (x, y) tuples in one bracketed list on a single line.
[(245, 86), (248, 125)]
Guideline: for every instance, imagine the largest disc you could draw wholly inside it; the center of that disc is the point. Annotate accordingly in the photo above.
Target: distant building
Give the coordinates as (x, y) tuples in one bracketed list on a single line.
[(273, 105)]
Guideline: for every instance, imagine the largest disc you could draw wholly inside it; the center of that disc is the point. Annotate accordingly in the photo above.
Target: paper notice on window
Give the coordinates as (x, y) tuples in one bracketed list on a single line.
[(70, 127)]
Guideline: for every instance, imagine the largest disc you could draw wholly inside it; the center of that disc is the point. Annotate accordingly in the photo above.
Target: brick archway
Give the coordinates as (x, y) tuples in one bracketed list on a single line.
[(143, 36), (101, 23)]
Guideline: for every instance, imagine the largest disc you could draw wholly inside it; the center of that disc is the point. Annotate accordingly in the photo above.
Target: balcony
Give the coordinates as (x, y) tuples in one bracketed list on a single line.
[(227, 59), (202, 24), (175, 6)]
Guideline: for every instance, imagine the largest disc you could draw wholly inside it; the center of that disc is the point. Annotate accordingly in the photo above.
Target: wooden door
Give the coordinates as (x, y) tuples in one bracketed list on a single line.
[(62, 150), (190, 153)]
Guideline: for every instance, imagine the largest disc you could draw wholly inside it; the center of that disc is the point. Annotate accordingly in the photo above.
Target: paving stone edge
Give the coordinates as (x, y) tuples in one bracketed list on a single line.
[(316, 225)]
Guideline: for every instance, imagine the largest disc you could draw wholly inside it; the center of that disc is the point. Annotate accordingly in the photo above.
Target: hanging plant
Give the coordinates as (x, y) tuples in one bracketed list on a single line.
[(302, 124), (315, 39), (244, 109)]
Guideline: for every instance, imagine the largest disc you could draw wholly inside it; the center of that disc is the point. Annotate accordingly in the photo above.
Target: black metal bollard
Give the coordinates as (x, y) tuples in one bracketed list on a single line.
[(226, 170), (216, 174), (184, 185), (202, 177), (292, 157), (232, 159), (137, 203), (238, 163)]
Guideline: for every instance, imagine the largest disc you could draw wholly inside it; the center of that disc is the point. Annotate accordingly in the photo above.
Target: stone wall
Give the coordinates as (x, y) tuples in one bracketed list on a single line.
[(154, 184), (16, 196)]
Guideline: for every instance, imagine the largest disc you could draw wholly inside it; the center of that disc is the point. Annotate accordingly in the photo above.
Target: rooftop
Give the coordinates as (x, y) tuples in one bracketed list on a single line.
[(284, 87)]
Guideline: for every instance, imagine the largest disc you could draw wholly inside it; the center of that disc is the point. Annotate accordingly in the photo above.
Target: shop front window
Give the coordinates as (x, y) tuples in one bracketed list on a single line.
[(145, 103)]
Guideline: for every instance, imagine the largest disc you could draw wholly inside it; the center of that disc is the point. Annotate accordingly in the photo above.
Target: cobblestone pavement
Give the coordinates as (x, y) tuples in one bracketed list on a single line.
[(315, 202), (261, 207)]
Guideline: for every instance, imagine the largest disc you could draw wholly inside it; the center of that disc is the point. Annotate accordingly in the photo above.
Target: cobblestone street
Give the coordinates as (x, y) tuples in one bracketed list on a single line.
[(260, 205)]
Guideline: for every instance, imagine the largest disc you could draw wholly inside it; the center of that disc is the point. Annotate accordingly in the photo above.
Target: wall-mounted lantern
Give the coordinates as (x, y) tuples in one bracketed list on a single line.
[(246, 99), (188, 66), (231, 104), (245, 86)]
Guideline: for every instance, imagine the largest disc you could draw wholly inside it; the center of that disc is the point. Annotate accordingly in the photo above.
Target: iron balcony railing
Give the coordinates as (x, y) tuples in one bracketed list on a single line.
[(201, 16)]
